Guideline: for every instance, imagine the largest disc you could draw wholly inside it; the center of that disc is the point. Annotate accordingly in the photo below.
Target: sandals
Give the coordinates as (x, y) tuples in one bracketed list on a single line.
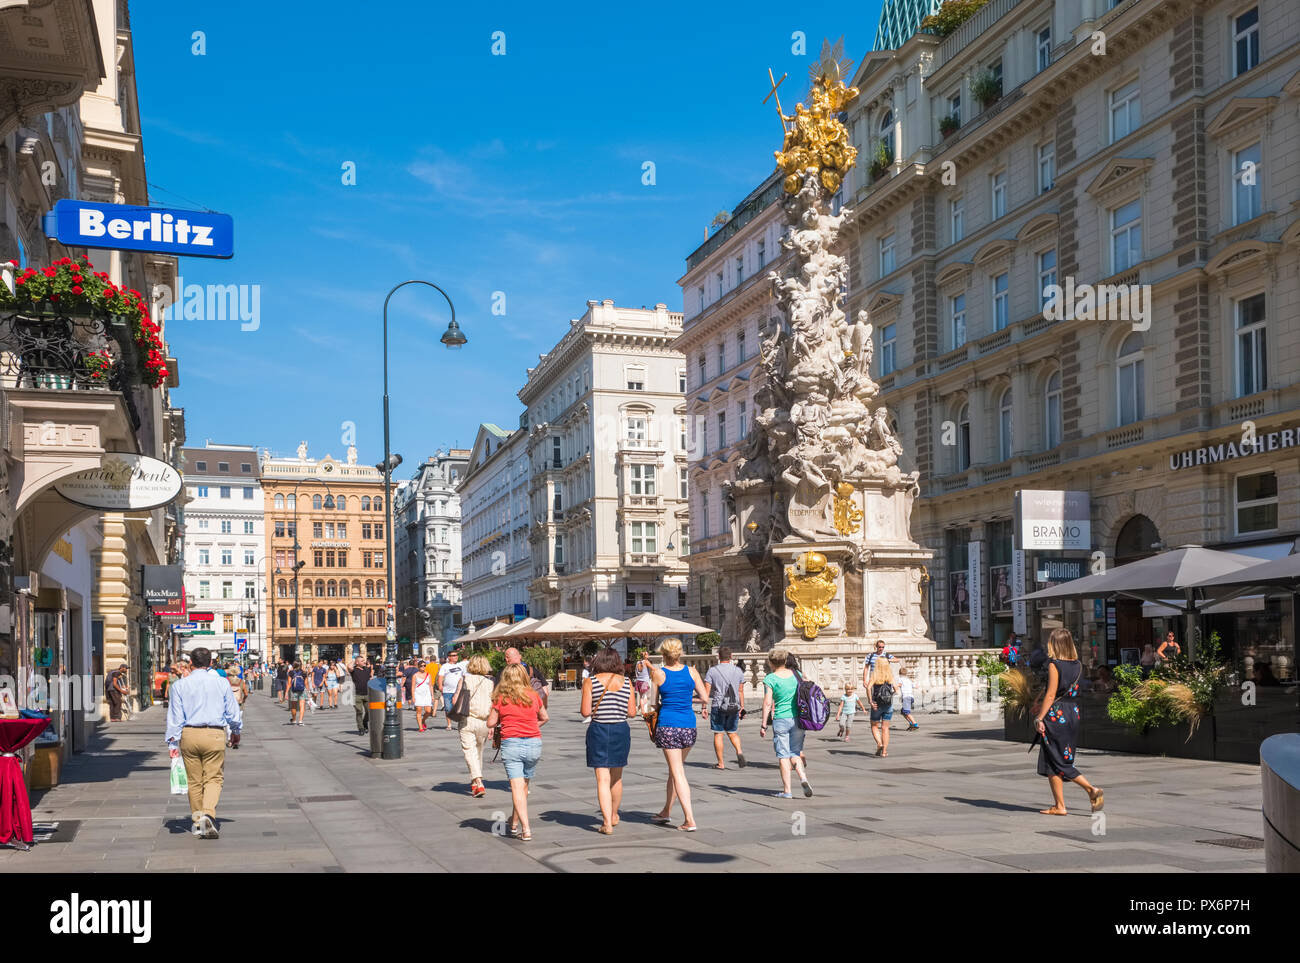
[(605, 830), (686, 829), (1098, 801)]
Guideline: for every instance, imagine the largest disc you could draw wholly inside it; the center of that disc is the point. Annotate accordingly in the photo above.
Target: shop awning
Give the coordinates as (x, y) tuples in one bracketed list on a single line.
[(1278, 573)]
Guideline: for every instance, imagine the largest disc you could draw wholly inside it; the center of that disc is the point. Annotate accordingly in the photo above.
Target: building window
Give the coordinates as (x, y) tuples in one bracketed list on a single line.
[(205, 589), (957, 218), (1252, 350), (683, 491), (963, 438), (203, 557), (1125, 236), (1052, 412), (700, 293), (720, 284), (722, 429), (644, 538), (1125, 111), (1045, 47), (559, 549), (740, 346), (341, 503), (203, 524), (248, 557), (636, 379), (681, 435), (1046, 166), (686, 539), (1247, 194), (379, 563), (887, 264), (556, 461), (379, 530), (316, 530), (636, 434), (1131, 378), (1001, 302), (200, 466), (998, 185), (226, 527), (203, 491), (888, 341), (248, 528), (227, 556), (722, 357), (954, 107), (1004, 426), (1256, 503), (740, 270), (1046, 275), (225, 491), (762, 253), (681, 380), (742, 431), (1245, 41), (643, 479), (957, 312), (248, 492), (703, 372), (227, 590)]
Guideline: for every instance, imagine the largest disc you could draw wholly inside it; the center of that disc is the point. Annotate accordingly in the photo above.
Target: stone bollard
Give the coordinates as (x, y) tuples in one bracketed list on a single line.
[(965, 692), (1279, 769)]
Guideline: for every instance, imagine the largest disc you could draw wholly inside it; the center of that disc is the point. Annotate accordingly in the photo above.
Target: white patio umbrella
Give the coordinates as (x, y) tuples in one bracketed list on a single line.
[(566, 625), (650, 623)]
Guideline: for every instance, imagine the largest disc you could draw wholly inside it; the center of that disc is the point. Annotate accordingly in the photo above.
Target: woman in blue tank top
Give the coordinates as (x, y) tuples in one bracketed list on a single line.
[(677, 684)]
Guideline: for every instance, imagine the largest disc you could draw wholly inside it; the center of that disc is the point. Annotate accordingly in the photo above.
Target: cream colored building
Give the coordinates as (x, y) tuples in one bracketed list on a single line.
[(606, 416), (1166, 161), (496, 556), (70, 127)]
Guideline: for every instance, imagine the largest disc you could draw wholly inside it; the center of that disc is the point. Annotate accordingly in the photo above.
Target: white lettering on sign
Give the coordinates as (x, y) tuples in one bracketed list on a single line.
[(1226, 451), (154, 226)]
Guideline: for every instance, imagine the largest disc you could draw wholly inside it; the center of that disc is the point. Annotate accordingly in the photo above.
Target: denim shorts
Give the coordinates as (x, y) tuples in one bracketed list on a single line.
[(521, 756), (883, 714), (720, 721), (447, 698), (787, 738)]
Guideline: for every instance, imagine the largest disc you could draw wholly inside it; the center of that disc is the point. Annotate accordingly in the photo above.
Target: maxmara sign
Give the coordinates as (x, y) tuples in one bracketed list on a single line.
[(1228, 450), (125, 482)]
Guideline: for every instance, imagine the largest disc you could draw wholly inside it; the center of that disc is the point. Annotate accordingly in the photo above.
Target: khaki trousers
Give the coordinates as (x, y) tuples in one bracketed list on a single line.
[(204, 753), (473, 734)]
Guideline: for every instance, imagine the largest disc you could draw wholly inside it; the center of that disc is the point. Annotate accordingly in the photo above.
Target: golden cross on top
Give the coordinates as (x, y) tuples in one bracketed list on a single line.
[(772, 93)]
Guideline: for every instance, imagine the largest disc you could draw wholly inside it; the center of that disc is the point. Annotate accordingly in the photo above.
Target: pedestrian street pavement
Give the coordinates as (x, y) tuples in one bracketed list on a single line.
[(951, 796)]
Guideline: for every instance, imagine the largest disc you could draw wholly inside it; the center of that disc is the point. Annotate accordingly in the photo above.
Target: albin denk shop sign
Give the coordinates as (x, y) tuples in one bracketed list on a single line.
[(125, 482)]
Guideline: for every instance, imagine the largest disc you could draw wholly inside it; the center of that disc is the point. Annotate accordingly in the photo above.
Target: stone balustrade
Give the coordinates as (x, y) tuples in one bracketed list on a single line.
[(944, 679)]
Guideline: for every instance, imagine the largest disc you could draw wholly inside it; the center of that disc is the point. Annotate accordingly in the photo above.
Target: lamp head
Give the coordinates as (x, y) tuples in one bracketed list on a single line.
[(453, 337)]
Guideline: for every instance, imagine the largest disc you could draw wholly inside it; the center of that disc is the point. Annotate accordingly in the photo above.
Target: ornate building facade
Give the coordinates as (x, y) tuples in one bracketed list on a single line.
[(496, 556), (327, 571), (1141, 152), (606, 415), (427, 514)]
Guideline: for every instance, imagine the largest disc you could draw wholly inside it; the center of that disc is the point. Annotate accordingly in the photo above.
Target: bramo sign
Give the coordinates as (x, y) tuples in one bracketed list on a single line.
[(1054, 521), (126, 227)]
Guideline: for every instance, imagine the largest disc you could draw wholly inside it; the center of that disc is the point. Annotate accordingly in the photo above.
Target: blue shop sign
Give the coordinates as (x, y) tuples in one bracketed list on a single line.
[(124, 227)]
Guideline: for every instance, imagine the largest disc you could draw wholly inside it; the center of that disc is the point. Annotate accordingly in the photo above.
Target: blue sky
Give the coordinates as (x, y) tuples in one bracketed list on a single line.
[(519, 173)]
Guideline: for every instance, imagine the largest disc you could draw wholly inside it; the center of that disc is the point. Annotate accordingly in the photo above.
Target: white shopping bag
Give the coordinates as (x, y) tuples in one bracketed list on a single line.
[(180, 782), (311, 704)]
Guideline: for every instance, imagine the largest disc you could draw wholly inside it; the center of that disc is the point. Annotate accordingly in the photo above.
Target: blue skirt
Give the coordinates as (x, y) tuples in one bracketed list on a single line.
[(608, 744)]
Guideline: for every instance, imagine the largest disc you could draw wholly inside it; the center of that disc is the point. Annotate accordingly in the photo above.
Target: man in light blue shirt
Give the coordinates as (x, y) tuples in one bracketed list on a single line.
[(201, 706)]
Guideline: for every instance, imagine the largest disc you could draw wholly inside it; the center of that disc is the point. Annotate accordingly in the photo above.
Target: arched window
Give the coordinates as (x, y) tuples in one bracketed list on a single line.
[(315, 501), (333, 618), (370, 589), (1004, 426), (380, 588), (282, 589), (293, 618), (343, 619), (377, 504), (329, 501), (291, 502), (887, 133), (320, 588), (365, 503), (370, 618), (1052, 412), (279, 501), (1130, 375), (343, 589), (320, 618), (963, 438), (332, 589), (341, 503), (284, 619), (356, 588)]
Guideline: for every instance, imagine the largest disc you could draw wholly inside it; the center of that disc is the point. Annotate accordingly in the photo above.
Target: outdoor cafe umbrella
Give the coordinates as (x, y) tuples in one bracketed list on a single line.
[(498, 629), (1281, 572), (650, 623), (563, 625)]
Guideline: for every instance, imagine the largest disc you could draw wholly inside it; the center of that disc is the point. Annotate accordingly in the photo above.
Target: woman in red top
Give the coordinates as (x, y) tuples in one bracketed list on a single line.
[(520, 713)]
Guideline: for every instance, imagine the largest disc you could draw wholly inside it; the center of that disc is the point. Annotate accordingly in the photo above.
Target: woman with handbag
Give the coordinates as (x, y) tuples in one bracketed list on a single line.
[(521, 714), (672, 725), (471, 706), (1057, 723), (608, 700)]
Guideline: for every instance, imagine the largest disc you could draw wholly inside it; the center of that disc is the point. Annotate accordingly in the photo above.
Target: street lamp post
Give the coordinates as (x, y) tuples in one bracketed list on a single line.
[(453, 339)]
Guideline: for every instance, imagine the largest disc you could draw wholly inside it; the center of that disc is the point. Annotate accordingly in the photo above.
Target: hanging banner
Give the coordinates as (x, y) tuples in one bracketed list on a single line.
[(974, 569), (1019, 610)]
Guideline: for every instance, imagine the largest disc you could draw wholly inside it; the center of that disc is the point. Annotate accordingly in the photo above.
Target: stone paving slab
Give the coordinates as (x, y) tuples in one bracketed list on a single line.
[(951, 797)]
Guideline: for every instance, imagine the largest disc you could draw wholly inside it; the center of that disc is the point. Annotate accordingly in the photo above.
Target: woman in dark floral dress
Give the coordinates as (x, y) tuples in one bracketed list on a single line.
[(1058, 723)]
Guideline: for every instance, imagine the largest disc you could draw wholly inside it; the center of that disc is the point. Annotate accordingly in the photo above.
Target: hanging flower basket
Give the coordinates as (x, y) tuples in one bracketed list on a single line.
[(71, 289)]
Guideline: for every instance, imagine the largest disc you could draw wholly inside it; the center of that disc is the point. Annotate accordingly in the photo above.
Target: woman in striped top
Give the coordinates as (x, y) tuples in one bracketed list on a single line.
[(610, 700)]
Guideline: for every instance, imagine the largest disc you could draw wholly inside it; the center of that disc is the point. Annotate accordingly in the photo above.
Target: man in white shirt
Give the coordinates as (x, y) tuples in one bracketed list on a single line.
[(202, 706)]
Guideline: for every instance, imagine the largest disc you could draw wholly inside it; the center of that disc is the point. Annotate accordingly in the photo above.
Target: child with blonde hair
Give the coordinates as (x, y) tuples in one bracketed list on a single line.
[(847, 710)]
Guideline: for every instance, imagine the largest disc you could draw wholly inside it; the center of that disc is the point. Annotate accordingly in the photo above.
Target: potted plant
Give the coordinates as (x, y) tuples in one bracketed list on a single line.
[(948, 124), (986, 88), (98, 365), (951, 15), (881, 160), (70, 289), (706, 642)]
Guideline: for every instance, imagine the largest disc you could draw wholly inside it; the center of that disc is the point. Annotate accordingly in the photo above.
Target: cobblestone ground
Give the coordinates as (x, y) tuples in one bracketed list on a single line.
[(952, 796)]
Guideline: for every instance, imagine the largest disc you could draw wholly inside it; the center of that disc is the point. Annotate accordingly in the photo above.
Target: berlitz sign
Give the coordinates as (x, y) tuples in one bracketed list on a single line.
[(1226, 451), (124, 482), (125, 227), (1054, 521)]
